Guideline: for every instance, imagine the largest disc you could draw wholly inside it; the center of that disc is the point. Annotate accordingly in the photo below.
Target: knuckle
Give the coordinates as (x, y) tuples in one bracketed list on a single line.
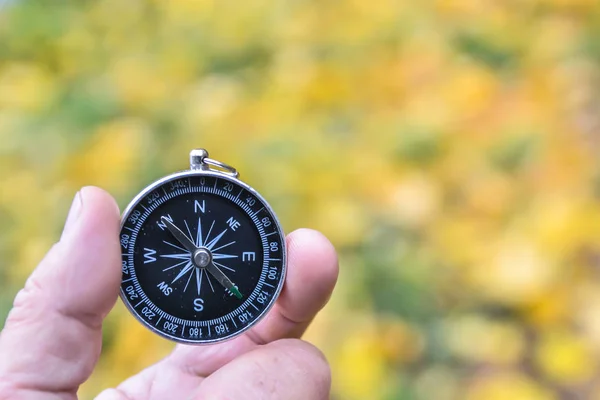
[(25, 303)]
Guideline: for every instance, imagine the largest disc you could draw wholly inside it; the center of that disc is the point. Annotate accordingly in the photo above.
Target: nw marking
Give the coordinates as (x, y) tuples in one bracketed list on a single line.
[(161, 224)]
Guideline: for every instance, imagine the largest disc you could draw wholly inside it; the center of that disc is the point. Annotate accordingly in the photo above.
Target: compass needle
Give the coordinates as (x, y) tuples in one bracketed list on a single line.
[(177, 276)]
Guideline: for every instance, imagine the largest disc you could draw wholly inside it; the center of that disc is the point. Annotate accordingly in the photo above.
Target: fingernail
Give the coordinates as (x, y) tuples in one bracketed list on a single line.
[(73, 213)]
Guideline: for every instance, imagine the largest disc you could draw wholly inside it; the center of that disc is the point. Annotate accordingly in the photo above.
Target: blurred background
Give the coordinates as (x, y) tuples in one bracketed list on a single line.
[(448, 148)]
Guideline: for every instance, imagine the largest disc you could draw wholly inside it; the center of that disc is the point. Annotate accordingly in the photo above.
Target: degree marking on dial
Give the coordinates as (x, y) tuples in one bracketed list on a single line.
[(128, 280), (259, 211), (129, 229), (139, 303), (268, 284)]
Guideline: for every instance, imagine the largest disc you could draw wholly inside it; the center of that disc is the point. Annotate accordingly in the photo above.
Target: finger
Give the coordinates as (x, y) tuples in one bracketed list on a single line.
[(311, 276), (283, 370), (52, 337)]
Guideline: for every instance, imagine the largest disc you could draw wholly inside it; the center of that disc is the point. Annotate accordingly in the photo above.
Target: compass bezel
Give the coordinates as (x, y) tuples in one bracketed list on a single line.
[(227, 177)]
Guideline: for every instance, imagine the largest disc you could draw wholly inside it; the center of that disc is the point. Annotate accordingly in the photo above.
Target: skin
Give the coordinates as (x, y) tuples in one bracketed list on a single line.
[(53, 335)]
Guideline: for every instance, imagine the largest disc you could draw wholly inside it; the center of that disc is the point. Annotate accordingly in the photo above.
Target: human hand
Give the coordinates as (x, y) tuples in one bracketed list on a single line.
[(52, 337)]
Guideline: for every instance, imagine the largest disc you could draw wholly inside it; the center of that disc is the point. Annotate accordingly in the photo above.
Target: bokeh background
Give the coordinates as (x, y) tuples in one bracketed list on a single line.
[(448, 148)]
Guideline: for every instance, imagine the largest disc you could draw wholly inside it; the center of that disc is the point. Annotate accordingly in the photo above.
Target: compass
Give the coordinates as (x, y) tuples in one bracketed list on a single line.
[(203, 254)]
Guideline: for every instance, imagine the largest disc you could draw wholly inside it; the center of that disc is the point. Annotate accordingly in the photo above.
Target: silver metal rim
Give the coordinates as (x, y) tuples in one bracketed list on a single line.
[(231, 178)]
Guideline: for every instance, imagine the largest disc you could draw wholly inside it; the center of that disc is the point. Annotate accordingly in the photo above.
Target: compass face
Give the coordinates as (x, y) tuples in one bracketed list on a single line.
[(203, 257)]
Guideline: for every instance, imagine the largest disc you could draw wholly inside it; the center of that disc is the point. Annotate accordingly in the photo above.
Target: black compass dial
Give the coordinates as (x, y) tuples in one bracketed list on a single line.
[(203, 257)]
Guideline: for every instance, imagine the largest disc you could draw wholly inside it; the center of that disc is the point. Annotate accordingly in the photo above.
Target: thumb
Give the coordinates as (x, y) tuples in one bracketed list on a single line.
[(52, 337)]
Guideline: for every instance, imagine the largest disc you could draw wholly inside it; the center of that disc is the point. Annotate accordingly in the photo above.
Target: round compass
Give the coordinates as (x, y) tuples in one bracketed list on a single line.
[(203, 254)]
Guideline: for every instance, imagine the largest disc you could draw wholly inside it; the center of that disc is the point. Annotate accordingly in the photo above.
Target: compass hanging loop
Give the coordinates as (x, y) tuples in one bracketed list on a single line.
[(199, 161)]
